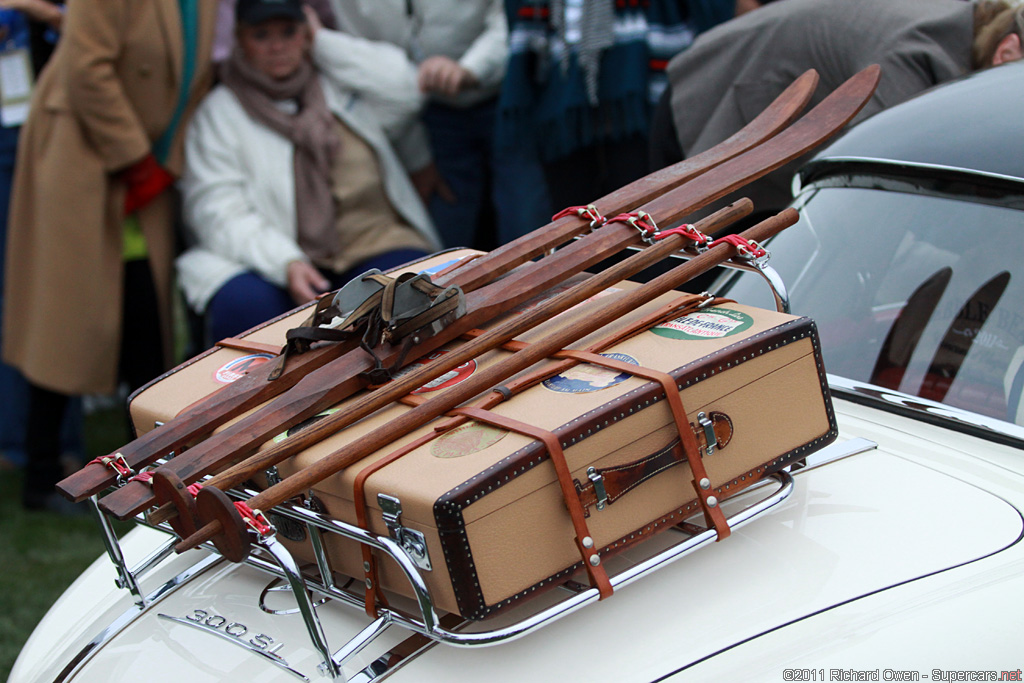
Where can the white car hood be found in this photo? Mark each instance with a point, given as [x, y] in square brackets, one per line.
[853, 528]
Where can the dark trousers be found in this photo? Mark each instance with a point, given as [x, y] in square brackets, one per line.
[141, 360]
[509, 183]
[247, 299]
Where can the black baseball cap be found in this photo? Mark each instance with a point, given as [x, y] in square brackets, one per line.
[257, 11]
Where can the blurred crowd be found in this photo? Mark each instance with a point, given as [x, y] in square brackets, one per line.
[241, 157]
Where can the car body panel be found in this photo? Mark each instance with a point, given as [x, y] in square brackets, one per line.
[973, 124]
[907, 513]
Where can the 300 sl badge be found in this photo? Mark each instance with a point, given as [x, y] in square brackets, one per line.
[235, 632]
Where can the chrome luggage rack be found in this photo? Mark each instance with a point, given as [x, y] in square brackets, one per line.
[270, 556]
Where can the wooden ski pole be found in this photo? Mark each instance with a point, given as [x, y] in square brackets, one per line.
[479, 345]
[222, 520]
[252, 390]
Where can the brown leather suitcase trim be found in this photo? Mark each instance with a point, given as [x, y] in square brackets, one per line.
[448, 509]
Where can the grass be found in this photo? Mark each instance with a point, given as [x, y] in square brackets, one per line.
[41, 553]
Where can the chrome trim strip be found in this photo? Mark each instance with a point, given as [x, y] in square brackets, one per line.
[828, 162]
[836, 451]
[939, 414]
[274, 658]
[130, 615]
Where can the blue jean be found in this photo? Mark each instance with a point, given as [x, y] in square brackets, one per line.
[247, 299]
[466, 156]
[13, 387]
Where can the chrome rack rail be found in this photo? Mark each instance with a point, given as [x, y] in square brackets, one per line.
[771, 277]
[271, 557]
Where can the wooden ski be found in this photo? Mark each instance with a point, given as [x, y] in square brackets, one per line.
[252, 390]
[342, 377]
[359, 408]
[224, 525]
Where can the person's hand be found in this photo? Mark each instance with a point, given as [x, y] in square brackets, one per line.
[744, 6]
[305, 282]
[312, 19]
[428, 182]
[144, 181]
[445, 76]
[39, 10]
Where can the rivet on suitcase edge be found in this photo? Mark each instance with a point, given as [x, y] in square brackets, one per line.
[366, 566]
[712, 501]
[587, 542]
[595, 560]
[705, 483]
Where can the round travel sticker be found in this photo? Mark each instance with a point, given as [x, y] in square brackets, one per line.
[585, 378]
[713, 323]
[466, 440]
[448, 379]
[234, 370]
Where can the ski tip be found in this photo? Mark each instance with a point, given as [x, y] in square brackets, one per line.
[808, 80]
[868, 77]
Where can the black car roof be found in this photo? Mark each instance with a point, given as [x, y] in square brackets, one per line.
[975, 123]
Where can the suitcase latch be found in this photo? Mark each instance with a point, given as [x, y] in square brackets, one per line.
[709, 432]
[413, 542]
[599, 491]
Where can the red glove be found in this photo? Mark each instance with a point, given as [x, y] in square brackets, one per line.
[144, 180]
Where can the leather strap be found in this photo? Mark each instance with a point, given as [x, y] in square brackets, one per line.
[374, 594]
[605, 485]
[709, 502]
[681, 306]
[585, 542]
[240, 344]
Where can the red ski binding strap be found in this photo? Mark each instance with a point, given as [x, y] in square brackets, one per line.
[115, 462]
[254, 518]
[751, 251]
[588, 211]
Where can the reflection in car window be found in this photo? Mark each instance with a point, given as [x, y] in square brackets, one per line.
[916, 293]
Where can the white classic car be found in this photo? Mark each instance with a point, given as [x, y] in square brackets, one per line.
[893, 554]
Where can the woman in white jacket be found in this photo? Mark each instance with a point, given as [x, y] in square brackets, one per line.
[296, 178]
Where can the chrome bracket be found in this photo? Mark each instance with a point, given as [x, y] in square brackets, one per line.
[412, 542]
[598, 480]
[273, 476]
[709, 433]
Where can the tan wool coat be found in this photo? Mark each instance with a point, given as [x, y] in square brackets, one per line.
[107, 94]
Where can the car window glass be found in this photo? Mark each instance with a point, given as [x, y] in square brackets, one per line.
[916, 293]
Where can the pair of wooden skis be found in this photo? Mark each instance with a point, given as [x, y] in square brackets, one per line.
[327, 375]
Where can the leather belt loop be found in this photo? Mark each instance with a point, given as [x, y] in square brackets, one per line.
[712, 511]
[585, 542]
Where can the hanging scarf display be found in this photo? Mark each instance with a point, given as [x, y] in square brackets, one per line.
[313, 131]
[582, 71]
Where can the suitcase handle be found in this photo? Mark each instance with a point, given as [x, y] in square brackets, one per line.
[607, 484]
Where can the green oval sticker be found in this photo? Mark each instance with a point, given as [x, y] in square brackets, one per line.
[713, 323]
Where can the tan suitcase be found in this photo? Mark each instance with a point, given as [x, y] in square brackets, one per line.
[481, 508]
